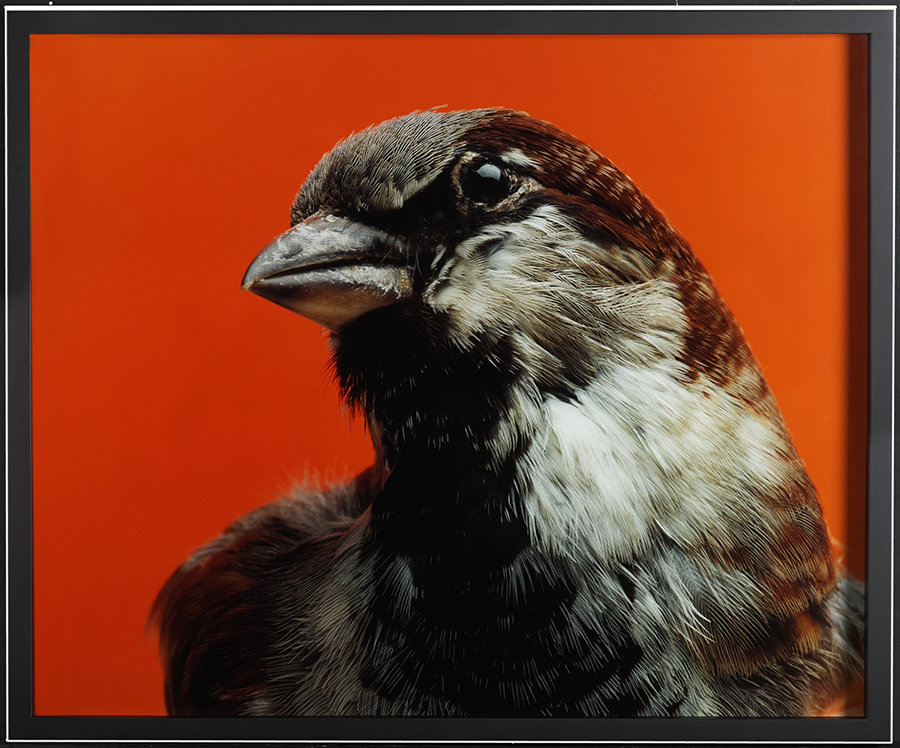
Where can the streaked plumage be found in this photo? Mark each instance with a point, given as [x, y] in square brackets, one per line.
[585, 500]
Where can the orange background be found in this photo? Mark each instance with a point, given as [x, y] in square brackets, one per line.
[167, 403]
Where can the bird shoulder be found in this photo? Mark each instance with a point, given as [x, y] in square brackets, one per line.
[218, 614]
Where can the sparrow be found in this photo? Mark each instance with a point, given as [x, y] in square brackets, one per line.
[584, 500]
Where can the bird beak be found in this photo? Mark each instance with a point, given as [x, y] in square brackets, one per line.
[332, 270]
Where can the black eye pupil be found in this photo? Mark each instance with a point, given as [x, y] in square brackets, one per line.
[484, 182]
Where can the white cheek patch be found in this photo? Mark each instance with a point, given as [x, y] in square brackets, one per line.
[540, 273]
[478, 288]
[504, 275]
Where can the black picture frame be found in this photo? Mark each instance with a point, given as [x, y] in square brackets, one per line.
[877, 22]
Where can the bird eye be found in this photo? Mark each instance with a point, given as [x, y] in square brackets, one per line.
[484, 182]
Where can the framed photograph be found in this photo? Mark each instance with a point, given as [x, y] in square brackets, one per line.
[153, 152]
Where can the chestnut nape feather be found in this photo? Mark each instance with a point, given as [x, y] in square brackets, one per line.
[584, 501]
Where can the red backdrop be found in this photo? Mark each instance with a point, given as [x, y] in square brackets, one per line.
[167, 403]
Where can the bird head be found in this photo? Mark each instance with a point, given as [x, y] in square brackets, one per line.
[501, 238]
